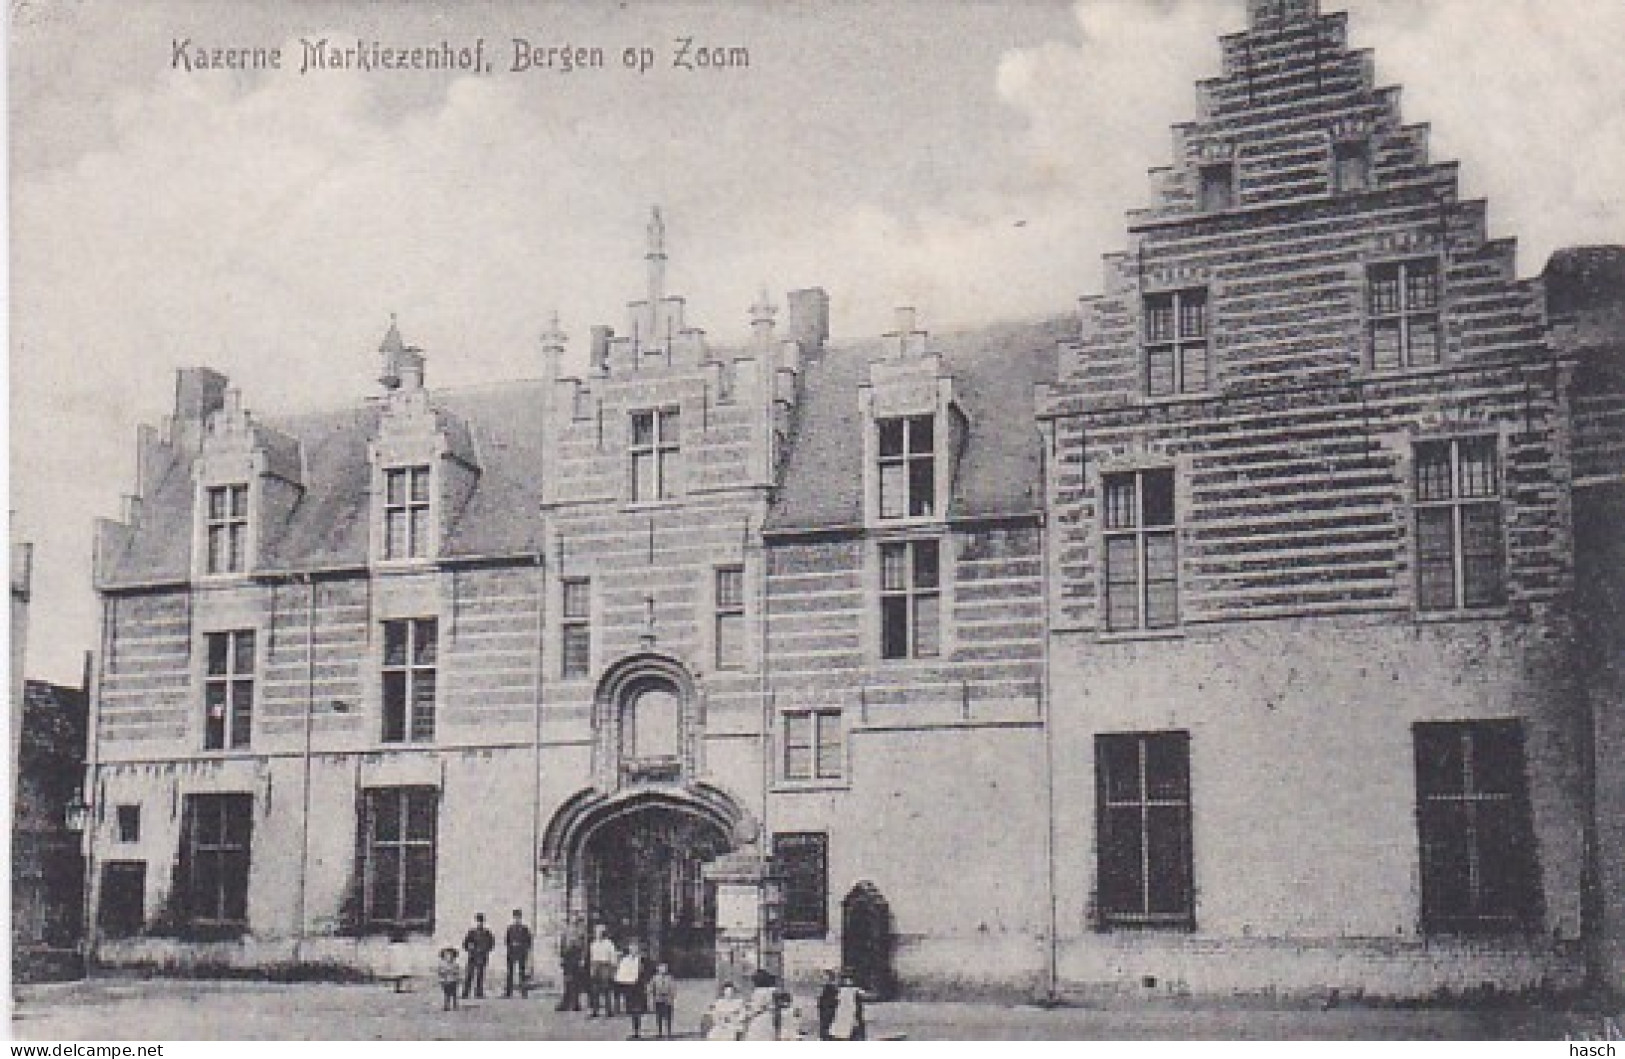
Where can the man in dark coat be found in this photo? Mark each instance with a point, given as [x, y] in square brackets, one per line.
[478, 943]
[517, 942]
[572, 971]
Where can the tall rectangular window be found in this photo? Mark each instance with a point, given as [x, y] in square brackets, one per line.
[1404, 314]
[575, 647]
[410, 649]
[1142, 562]
[406, 512]
[397, 853]
[1143, 799]
[1460, 562]
[730, 617]
[215, 835]
[1218, 187]
[655, 450]
[908, 462]
[1351, 165]
[1176, 343]
[812, 745]
[226, 529]
[1479, 869]
[910, 600]
[802, 861]
[228, 689]
[129, 823]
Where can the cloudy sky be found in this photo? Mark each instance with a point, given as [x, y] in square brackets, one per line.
[972, 159]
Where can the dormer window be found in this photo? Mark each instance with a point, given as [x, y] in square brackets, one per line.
[406, 512]
[908, 486]
[1217, 187]
[655, 449]
[227, 530]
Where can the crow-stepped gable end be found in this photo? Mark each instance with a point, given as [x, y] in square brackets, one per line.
[1251, 629]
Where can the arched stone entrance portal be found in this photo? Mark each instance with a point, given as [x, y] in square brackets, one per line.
[635, 861]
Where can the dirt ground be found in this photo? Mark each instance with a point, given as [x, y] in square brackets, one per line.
[134, 1009]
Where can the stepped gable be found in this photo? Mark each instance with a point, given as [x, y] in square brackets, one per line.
[995, 371]
[1260, 206]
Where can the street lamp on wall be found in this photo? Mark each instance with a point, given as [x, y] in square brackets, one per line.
[76, 814]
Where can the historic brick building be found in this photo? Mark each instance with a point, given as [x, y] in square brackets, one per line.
[1228, 642]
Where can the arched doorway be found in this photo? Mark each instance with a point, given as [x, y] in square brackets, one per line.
[643, 877]
[635, 861]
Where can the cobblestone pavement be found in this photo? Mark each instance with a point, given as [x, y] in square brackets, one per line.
[141, 1009]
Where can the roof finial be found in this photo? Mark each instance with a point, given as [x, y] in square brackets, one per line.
[657, 233]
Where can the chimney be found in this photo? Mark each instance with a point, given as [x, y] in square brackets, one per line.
[553, 342]
[808, 322]
[598, 351]
[199, 393]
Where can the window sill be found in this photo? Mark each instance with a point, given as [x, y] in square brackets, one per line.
[1500, 612]
[922, 662]
[663, 504]
[246, 750]
[232, 577]
[417, 562]
[1177, 398]
[905, 522]
[784, 786]
[1131, 635]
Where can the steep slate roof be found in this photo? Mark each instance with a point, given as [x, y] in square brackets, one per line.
[329, 525]
[995, 370]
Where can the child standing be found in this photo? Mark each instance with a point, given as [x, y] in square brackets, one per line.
[662, 992]
[449, 975]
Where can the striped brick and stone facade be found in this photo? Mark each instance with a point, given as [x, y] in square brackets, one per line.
[1248, 631]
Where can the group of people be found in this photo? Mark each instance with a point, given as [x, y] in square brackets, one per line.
[478, 944]
[617, 983]
[770, 1012]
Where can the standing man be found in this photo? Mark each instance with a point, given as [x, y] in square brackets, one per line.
[572, 970]
[478, 943]
[601, 959]
[517, 943]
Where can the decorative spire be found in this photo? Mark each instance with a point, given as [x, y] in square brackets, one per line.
[392, 348]
[761, 316]
[657, 233]
[656, 257]
[554, 338]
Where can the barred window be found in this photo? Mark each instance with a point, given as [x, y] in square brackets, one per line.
[1404, 315]
[226, 529]
[1143, 802]
[1141, 555]
[397, 857]
[1176, 343]
[1460, 561]
[812, 745]
[575, 647]
[730, 617]
[410, 649]
[1479, 871]
[406, 512]
[910, 599]
[228, 690]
